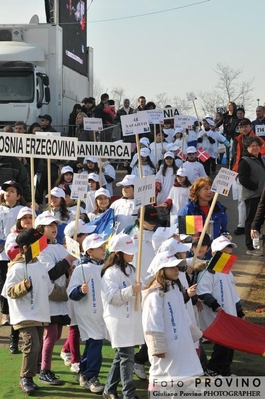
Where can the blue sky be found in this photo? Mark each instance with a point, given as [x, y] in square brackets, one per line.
[174, 52]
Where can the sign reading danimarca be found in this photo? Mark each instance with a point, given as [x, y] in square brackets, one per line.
[56, 147]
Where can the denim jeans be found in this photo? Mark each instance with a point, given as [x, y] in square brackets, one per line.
[92, 358]
[122, 370]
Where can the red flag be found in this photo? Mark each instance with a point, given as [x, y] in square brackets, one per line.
[235, 333]
[202, 154]
[181, 155]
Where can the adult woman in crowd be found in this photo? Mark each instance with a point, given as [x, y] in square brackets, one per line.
[80, 132]
[229, 121]
[199, 204]
[251, 174]
[72, 119]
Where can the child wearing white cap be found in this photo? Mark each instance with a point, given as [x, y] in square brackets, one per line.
[70, 352]
[148, 168]
[66, 176]
[84, 291]
[165, 177]
[11, 202]
[101, 205]
[194, 168]
[58, 264]
[122, 321]
[179, 194]
[217, 290]
[60, 211]
[167, 324]
[157, 149]
[125, 213]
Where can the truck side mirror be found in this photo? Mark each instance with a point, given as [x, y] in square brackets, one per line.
[45, 79]
[47, 94]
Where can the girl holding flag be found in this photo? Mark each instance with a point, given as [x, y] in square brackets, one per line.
[167, 324]
[27, 289]
[217, 290]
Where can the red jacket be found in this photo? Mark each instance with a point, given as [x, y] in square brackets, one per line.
[240, 147]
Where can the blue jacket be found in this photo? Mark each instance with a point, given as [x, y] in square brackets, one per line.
[219, 216]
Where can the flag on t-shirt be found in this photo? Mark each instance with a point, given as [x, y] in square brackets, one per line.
[36, 248]
[190, 224]
[222, 262]
[202, 154]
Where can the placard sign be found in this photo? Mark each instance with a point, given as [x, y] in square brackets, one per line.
[260, 130]
[115, 150]
[221, 108]
[191, 96]
[183, 121]
[144, 191]
[93, 124]
[135, 124]
[79, 186]
[38, 146]
[72, 247]
[155, 116]
[169, 113]
[223, 181]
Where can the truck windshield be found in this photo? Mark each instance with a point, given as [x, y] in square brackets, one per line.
[16, 86]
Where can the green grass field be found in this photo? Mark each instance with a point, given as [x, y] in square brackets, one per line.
[244, 364]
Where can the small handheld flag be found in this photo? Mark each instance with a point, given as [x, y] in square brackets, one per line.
[222, 262]
[202, 154]
[36, 248]
[190, 224]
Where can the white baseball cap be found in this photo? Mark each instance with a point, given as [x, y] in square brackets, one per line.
[57, 192]
[91, 159]
[144, 152]
[164, 259]
[209, 121]
[173, 246]
[93, 176]
[122, 243]
[182, 172]
[145, 141]
[102, 191]
[93, 241]
[172, 147]
[178, 130]
[45, 218]
[82, 228]
[128, 180]
[24, 211]
[220, 243]
[191, 150]
[67, 169]
[169, 154]
[161, 234]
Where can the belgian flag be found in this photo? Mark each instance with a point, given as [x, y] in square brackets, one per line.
[36, 248]
[222, 262]
[190, 224]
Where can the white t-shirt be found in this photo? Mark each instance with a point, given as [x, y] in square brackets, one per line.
[123, 322]
[166, 313]
[125, 213]
[167, 182]
[194, 170]
[88, 312]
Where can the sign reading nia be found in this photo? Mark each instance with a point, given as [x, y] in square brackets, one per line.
[59, 147]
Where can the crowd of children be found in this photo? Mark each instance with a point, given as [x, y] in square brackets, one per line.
[95, 295]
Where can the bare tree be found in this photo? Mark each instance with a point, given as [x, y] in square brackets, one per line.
[98, 89]
[162, 100]
[184, 106]
[229, 87]
[118, 95]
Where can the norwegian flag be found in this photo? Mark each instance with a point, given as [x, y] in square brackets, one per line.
[181, 155]
[202, 155]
